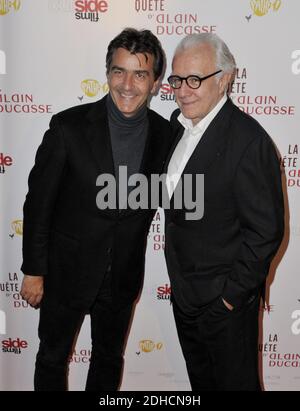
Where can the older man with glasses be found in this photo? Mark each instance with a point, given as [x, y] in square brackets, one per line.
[218, 264]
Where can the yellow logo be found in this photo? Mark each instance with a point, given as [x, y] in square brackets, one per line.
[149, 345]
[17, 226]
[6, 5]
[92, 87]
[262, 7]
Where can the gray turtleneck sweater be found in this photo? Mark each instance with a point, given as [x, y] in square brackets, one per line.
[128, 137]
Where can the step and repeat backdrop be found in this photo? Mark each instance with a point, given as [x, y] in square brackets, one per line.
[52, 56]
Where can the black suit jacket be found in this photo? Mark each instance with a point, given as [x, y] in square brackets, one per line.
[66, 237]
[227, 252]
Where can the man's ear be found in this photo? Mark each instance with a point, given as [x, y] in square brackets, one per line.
[224, 83]
[155, 87]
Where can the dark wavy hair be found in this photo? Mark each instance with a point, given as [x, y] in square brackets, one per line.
[138, 41]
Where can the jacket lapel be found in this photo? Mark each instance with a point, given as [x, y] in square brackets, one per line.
[152, 161]
[210, 146]
[212, 143]
[177, 131]
[98, 138]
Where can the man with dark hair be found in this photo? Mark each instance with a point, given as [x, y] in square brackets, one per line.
[78, 258]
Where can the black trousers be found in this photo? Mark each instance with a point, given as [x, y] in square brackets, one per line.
[220, 346]
[57, 329]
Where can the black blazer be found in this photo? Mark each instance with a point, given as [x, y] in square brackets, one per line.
[227, 252]
[66, 237]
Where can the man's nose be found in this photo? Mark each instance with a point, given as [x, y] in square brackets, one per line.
[128, 80]
[184, 90]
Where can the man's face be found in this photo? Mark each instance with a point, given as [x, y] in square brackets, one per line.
[131, 80]
[195, 104]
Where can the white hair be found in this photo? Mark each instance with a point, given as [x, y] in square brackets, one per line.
[224, 59]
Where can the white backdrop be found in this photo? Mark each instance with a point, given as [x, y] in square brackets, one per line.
[52, 56]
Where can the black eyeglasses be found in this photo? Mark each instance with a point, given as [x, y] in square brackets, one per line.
[192, 81]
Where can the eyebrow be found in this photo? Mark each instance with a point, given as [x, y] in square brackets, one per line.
[135, 71]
